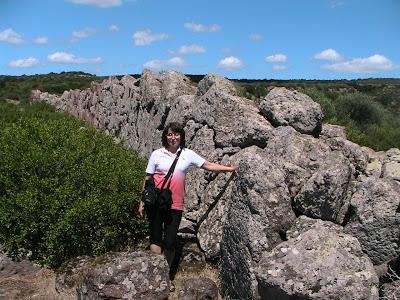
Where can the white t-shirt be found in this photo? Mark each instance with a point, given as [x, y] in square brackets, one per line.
[159, 163]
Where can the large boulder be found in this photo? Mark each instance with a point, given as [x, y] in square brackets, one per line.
[216, 82]
[320, 263]
[212, 210]
[374, 218]
[126, 275]
[235, 120]
[283, 107]
[324, 195]
[298, 155]
[258, 216]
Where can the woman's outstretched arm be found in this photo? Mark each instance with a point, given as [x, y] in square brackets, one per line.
[210, 166]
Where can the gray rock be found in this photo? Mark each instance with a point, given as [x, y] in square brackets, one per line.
[393, 153]
[303, 224]
[354, 153]
[258, 214]
[213, 214]
[216, 82]
[298, 155]
[200, 288]
[235, 120]
[324, 195]
[71, 274]
[375, 161]
[283, 107]
[164, 86]
[126, 275]
[330, 131]
[318, 264]
[391, 164]
[188, 227]
[374, 218]
[20, 265]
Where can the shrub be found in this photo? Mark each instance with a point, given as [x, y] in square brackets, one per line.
[65, 188]
[359, 108]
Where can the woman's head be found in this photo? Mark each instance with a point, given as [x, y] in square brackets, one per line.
[173, 135]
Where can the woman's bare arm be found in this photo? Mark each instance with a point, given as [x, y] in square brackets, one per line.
[210, 166]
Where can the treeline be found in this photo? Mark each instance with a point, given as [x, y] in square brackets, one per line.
[66, 189]
[19, 87]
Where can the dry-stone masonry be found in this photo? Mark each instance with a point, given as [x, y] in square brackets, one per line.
[305, 216]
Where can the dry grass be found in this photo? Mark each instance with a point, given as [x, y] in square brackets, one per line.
[208, 271]
[37, 286]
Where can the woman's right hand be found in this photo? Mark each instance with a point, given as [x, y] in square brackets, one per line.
[141, 209]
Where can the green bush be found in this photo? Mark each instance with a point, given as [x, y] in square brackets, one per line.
[378, 137]
[359, 108]
[65, 188]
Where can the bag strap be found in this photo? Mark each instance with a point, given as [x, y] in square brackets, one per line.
[171, 170]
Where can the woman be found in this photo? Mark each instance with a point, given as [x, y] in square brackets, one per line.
[164, 226]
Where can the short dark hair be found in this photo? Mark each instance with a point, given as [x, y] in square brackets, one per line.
[176, 128]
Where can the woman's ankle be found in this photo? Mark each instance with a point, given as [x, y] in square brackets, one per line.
[155, 249]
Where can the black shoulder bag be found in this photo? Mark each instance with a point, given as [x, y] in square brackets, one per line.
[153, 197]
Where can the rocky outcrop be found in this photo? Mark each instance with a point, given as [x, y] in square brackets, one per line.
[284, 171]
[283, 107]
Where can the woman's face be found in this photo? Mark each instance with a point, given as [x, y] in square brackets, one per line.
[173, 138]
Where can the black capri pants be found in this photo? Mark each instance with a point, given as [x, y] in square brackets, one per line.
[164, 226]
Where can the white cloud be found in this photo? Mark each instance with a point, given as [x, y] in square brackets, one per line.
[373, 64]
[188, 49]
[280, 58]
[337, 3]
[10, 36]
[67, 58]
[146, 37]
[279, 67]
[328, 54]
[24, 63]
[88, 31]
[165, 64]
[256, 37]
[98, 3]
[230, 63]
[113, 28]
[41, 40]
[202, 28]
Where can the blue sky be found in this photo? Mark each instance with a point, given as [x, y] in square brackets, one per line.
[285, 39]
